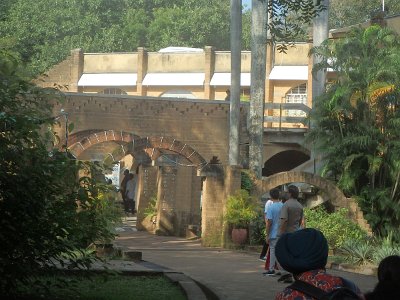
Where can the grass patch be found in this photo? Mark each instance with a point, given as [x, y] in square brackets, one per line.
[106, 287]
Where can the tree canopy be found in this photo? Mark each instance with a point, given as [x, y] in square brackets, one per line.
[344, 13]
[47, 212]
[44, 31]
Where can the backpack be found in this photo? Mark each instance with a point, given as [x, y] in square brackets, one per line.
[347, 292]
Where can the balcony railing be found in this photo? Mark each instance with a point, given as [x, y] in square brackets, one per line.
[286, 115]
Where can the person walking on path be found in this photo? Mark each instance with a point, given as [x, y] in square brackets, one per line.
[291, 220]
[131, 193]
[272, 226]
[264, 251]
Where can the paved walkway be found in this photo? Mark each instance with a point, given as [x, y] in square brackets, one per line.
[229, 274]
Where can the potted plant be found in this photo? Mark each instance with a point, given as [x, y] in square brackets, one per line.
[241, 209]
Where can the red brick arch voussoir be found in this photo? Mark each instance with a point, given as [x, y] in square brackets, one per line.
[132, 144]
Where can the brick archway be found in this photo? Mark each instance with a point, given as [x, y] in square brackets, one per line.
[133, 144]
[329, 190]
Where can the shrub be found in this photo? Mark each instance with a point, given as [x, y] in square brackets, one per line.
[151, 209]
[257, 229]
[246, 183]
[337, 227]
[357, 251]
[39, 187]
[241, 209]
[385, 247]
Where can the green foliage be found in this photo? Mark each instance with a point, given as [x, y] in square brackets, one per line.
[368, 251]
[358, 251]
[356, 122]
[46, 34]
[344, 13]
[257, 229]
[151, 209]
[337, 227]
[386, 247]
[241, 209]
[288, 20]
[107, 286]
[39, 187]
[246, 183]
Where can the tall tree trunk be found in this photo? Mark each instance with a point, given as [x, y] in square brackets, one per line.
[236, 45]
[259, 18]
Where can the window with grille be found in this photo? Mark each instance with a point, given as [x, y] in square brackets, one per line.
[113, 91]
[297, 94]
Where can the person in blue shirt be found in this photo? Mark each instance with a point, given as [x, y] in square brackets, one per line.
[273, 218]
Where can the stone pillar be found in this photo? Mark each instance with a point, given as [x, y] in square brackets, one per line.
[166, 206]
[187, 199]
[146, 189]
[76, 69]
[141, 71]
[219, 184]
[209, 72]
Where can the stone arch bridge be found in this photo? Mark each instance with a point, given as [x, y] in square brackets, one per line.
[193, 134]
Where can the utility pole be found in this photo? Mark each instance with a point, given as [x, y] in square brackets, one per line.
[236, 46]
[259, 19]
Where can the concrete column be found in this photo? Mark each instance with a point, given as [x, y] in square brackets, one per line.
[141, 71]
[269, 84]
[209, 72]
[320, 33]
[236, 45]
[258, 68]
[146, 189]
[76, 69]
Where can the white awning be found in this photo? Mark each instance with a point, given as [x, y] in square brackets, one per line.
[224, 79]
[174, 79]
[108, 79]
[289, 73]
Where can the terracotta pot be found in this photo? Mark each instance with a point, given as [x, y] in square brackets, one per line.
[239, 236]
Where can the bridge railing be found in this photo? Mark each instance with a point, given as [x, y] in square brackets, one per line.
[286, 115]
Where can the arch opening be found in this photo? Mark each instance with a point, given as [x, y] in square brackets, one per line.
[284, 161]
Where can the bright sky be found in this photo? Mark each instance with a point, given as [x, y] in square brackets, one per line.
[246, 3]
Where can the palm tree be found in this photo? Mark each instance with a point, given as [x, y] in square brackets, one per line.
[357, 120]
